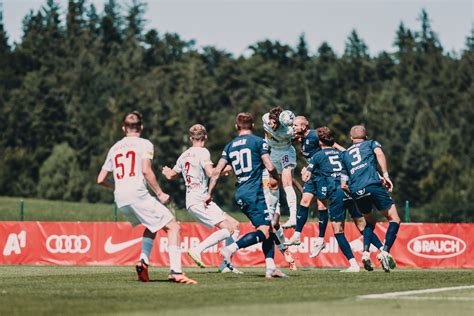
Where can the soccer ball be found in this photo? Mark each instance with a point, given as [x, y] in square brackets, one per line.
[286, 118]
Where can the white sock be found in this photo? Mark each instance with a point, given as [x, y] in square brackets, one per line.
[280, 236]
[271, 198]
[213, 239]
[291, 200]
[175, 258]
[296, 235]
[232, 248]
[320, 240]
[270, 264]
[353, 262]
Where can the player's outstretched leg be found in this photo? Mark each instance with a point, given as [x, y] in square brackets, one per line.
[345, 247]
[301, 218]
[174, 251]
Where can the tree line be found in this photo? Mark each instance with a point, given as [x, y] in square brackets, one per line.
[66, 84]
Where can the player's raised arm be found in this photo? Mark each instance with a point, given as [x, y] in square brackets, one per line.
[382, 161]
[152, 182]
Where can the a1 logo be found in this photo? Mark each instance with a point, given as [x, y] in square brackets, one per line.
[14, 243]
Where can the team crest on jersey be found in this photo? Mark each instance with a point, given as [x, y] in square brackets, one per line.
[361, 192]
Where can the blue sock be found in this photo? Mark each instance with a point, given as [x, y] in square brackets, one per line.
[250, 239]
[376, 240]
[323, 222]
[344, 245]
[268, 247]
[301, 217]
[391, 235]
[147, 245]
[367, 233]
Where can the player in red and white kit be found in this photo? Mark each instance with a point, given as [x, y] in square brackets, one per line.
[195, 165]
[130, 162]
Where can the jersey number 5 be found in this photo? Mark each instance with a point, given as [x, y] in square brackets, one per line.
[119, 165]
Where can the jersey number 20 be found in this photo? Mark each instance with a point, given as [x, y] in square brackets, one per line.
[241, 160]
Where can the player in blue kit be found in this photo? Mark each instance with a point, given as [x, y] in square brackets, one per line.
[359, 163]
[249, 156]
[309, 146]
[325, 167]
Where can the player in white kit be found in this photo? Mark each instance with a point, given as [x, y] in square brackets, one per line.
[130, 162]
[279, 135]
[195, 165]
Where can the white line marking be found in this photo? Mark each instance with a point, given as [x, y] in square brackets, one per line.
[397, 294]
[437, 298]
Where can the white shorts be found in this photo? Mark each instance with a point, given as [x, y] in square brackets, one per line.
[210, 216]
[149, 212]
[283, 158]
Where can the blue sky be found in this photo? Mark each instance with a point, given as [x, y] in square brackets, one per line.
[234, 25]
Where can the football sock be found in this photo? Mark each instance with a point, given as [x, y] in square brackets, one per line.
[368, 233]
[291, 200]
[391, 235]
[272, 197]
[344, 245]
[353, 262]
[323, 222]
[233, 238]
[268, 247]
[374, 239]
[175, 258]
[301, 218]
[270, 264]
[147, 245]
[213, 239]
[280, 238]
[250, 239]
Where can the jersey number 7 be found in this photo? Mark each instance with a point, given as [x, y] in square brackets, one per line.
[130, 155]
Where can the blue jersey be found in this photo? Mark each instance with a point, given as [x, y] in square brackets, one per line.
[360, 165]
[325, 165]
[244, 153]
[310, 144]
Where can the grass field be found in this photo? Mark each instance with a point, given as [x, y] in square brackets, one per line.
[113, 290]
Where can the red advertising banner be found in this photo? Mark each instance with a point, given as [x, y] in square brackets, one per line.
[99, 243]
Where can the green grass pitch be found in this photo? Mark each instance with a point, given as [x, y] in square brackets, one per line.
[64, 290]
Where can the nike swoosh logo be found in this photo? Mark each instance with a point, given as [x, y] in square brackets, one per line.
[110, 247]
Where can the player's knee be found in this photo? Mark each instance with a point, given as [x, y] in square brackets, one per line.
[337, 227]
[305, 201]
[265, 230]
[360, 223]
[174, 227]
[392, 215]
[322, 205]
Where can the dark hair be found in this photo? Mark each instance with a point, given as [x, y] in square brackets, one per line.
[133, 121]
[274, 114]
[244, 120]
[325, 136]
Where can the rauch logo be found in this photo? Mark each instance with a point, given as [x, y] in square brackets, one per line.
[436, 246]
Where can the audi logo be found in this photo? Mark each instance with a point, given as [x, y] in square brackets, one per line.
[68, 244]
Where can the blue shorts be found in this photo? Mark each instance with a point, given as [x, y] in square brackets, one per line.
[351, 206]
[337, 212]
[254, 206]
[372, 196]
[310, 186]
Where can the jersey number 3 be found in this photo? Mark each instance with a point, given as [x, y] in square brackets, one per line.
[130, 155]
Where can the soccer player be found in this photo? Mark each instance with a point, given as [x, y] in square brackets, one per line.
[360, 165]
[248, 155]
[309, 141]
[196, 167]
[283, 155]
[326, 168]
[130, 162]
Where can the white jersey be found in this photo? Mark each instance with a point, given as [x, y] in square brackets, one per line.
[279, 139]
[125, 161]
[191, 165]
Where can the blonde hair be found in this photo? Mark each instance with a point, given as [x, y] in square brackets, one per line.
[197, 132]
[358, 132]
